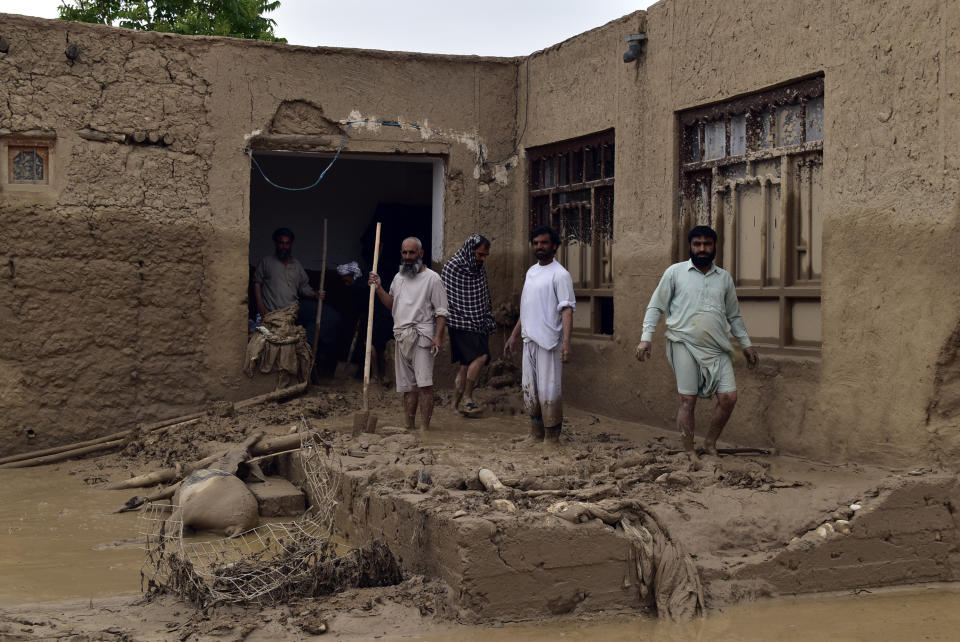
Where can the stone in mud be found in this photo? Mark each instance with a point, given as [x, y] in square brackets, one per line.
[386, 431]
[446, 476]
[215, 501]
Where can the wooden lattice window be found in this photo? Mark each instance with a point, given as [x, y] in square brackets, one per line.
[28, 163]
[752, 168]
[571, 189]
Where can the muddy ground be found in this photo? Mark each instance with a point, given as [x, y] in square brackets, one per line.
[730, 512]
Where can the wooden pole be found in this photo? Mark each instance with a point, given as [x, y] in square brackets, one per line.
[363, 421]
[323, 278]
[92, 442]
[373, 293]
[67, 454]
[60, 453]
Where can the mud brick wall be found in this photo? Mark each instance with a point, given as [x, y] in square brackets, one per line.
[124, 281]
[496, 566]
[910, 535]
[101, 304]
[884, 387]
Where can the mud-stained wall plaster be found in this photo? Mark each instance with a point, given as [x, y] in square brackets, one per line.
[138, 333]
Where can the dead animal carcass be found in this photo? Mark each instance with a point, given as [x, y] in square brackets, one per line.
[216, 501]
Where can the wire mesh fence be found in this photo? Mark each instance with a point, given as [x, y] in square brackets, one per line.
[265, 564]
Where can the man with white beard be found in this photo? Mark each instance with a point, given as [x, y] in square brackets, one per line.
[419, 306]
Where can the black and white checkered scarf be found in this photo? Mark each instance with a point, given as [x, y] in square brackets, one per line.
[468, 296]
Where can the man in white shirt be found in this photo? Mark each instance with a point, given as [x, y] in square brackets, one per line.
[419, 307]
[700, 303]
[546, 318]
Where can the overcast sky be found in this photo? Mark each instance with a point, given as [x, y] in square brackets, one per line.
[485, 27]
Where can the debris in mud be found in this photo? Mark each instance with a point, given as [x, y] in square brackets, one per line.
[269, 563]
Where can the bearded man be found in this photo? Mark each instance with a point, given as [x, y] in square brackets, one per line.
[280, 280]
[546, 320]
[471, 317]
[700, 303]
[419, 307]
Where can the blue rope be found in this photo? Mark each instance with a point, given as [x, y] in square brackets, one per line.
[385, 123]
[319, 178]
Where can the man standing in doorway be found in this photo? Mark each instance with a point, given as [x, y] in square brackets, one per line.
[280, 279]
[701, 307]
[471, 317]
[419, 307]
[546, 319]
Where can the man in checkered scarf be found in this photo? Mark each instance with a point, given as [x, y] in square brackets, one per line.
[471, 317]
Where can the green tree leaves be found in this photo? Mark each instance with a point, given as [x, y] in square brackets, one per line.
[230, 18]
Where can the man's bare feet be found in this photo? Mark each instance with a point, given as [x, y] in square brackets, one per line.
[458, 385]
[551, 438]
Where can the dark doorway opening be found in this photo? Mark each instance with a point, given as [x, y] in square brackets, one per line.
[355, 194]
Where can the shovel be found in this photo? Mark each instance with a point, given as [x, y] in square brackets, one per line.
[364, 421]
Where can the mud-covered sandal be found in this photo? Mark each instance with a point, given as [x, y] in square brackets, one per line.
[470, 409]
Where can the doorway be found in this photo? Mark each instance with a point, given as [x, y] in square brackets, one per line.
[404, 194]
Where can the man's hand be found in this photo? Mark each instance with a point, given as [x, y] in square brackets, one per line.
[565, 351]
[320, 295]
[752, 357]
[510, 346]
[374, 279]
[643, 350]
[436, 346]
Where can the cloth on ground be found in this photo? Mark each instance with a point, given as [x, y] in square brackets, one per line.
[279, 345]
[659, 564]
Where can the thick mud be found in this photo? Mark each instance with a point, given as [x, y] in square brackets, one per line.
[70, 566]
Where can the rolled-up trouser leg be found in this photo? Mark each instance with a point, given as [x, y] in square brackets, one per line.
[542, 370]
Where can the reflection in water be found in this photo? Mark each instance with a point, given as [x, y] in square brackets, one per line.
[57, 540]
[894, 615]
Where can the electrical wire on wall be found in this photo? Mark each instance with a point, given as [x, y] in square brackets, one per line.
[518, 136]
[349, 123]
[343, 141]
[517, 133]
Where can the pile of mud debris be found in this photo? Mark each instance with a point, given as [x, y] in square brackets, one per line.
[476, 550]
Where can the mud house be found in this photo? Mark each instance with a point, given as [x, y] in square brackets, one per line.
[820, 138]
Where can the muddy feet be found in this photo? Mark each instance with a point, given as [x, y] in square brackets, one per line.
[470, 408]
[551, 439]
[537, 431]
[458, 387]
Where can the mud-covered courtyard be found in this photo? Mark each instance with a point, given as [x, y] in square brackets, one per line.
[479, 562]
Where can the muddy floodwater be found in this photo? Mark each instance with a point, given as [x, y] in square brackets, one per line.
[893, 615]
[69, 565]
[57, 540]
[73, 548]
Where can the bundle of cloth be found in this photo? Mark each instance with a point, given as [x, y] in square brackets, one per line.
[279, 345]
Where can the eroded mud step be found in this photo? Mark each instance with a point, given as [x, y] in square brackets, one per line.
[277, 497]
[755, 526]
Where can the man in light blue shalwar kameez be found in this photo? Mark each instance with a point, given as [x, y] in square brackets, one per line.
[699, 300]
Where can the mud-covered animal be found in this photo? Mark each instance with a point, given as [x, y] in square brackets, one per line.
[216, 501]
